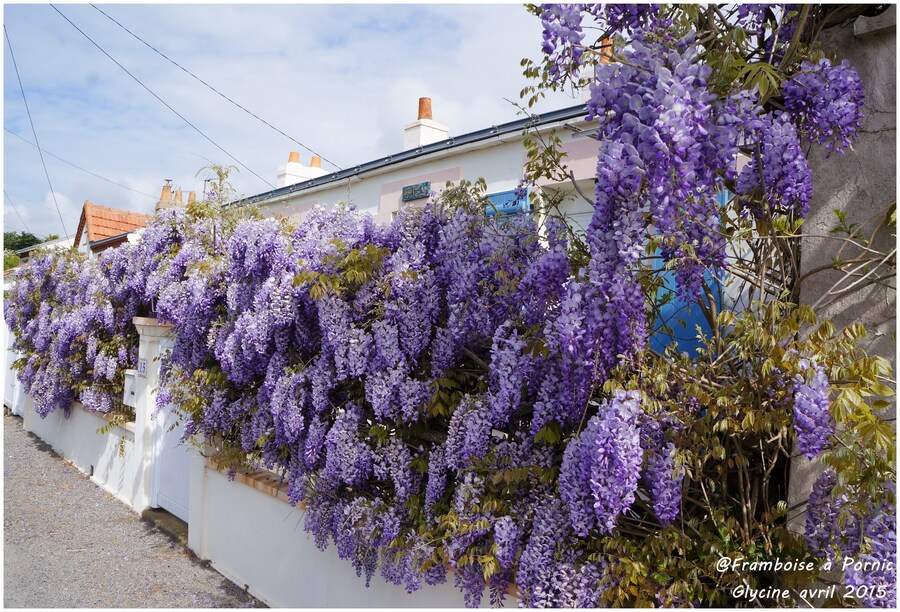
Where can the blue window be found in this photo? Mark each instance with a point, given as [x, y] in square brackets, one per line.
[505, 203]
[681, 316]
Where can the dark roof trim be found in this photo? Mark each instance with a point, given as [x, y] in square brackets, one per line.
[443, 145]
[107, 240]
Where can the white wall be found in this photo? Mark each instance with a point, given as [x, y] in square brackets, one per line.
[95, 454]
[258, 540]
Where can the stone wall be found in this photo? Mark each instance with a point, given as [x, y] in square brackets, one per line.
[862, 182]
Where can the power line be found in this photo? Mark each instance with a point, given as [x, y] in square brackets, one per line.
[32, 203]
[33, 131]
[9, 199]
[79, 167]
[182, 117]
[183, 69]
[12, 228]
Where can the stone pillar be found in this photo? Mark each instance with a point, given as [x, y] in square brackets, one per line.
[152, 334]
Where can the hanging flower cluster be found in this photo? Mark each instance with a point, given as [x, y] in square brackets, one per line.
[865, 546]
[600, 470]
[826, 101]
[665, 144]
[778, 175]
[72, 322]
[662, 476]
[812, 415]
[625, 18]
[562, 37]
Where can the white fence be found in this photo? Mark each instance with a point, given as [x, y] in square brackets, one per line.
[245, 527]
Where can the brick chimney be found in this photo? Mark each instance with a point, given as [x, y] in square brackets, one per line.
[294, 172]
[425, 130]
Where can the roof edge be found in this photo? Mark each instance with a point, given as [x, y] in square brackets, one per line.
[442, 145]
[39, 245]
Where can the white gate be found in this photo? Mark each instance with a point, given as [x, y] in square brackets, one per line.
[171, 461]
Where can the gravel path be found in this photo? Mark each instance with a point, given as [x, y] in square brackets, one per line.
[70, 544]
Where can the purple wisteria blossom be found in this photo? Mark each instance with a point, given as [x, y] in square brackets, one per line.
[537, 564]
[625, 18]
[664, 146]
[826, 534]
[392, 463]
[826, 102]
[874, 571]
[507, 535]
[510, 365]
[348, 458]
[563, 38]
[600, 469]
[661, 476]
[778, 174]
[812, 415]
[865, 546]
[469, 433]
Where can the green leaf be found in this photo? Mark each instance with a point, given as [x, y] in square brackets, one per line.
[549, 434]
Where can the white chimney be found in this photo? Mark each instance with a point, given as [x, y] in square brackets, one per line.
[424, 131]
[294, 172]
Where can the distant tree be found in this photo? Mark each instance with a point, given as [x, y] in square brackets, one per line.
[50, 237]
[10, 260]
[13, 241]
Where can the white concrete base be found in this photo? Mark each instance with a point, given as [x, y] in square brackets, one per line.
[94, 454]
[258, 540]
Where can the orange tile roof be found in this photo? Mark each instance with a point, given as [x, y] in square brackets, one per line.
[103, 222]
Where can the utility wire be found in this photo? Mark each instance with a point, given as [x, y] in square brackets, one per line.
[182, 117]
[183, 69]
[33, 131]
[11, 228]
[9, 199]
[23, 139]
[67, 215]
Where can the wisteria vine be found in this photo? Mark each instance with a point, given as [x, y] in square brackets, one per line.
[452, 390]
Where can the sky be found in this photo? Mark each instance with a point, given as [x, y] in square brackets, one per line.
[342, 79]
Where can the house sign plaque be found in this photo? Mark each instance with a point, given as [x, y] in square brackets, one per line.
[416, 192]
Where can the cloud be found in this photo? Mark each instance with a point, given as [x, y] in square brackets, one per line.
[343, 80]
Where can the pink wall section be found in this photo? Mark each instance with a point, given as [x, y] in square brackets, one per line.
[289, 209]
[391, 192]
[581, 158]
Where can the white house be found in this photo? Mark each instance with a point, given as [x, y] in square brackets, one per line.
[431, 158]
